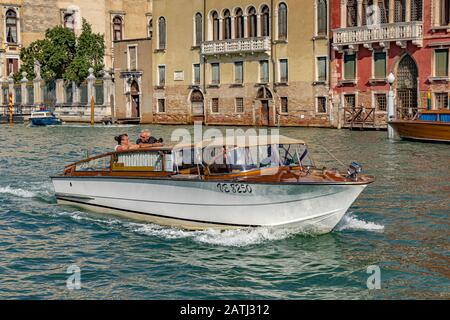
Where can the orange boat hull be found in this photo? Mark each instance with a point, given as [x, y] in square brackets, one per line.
[423, 130]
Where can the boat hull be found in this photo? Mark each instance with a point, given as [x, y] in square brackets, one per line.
[46, 121]
[197, 205]
[423, 130]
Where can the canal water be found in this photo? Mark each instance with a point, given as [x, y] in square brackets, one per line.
[399, 227]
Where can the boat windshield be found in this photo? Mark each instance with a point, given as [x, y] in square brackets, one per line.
[233, 160]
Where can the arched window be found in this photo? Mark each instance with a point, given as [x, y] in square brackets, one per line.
[69, 21]
[11, 26]
[399, 10]
[366, 18]
[216, 25]
[265, 21]
[117, 28]
[352, 13]
[416, 10]
[198, 29]
[239, 28]
[383, 5]
[162, 33]
[322, 17]
[252, 23]
[282, 21]
[226, 24]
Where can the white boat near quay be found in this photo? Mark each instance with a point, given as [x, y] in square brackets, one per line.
[229, 189]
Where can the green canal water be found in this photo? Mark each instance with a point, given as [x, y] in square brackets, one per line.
[400, 224]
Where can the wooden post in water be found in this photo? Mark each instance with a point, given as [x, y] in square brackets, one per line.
[10, 109]
[92, 111]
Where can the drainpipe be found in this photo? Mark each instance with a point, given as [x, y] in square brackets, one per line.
[272, 53]
[203, 63]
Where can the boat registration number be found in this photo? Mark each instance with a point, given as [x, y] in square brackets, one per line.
[235, 188]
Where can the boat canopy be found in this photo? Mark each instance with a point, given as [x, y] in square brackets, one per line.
[243, 141]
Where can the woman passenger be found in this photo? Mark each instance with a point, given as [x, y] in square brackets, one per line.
[124, 143]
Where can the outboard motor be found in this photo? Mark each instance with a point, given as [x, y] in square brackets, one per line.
[354, 170]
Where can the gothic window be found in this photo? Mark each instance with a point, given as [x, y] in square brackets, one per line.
[198, 29]
[117, 28]
[265, 21]
[11, 26]
[216, 24]
[322, 17]
[383, 6]
[239, 23]
[352, 13]
[162, 32]
[69, 21]
[226, 24]
[252, 23]
[416, 10]
[399, 10]
[282, 21]
[444, 18]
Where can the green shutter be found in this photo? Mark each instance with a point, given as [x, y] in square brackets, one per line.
[441, 63]
[349, 66]
[379, 65]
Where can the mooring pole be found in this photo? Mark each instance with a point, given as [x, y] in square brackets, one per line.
[391, 108]
[10, 109]
[92, 111]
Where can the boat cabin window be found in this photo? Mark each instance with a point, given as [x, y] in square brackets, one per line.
[234, 160]
[95, 165]
[142, 161]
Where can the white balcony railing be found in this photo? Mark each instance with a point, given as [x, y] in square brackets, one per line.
[403, 31]
[250, 45]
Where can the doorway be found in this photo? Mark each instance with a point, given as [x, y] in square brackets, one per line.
[265, 97]
[407, 98]
[198, 106]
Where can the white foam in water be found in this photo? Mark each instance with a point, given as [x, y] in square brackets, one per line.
[350, 222]
[21, 193]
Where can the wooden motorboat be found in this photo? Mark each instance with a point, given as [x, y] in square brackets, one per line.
[430, 125]
[221, 184]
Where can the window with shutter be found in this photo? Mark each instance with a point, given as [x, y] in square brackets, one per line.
[322, 69]
[198, 29]
[162, 75]
[284, 71]
[441, 63]
[239, 72]
[132, 57]
[322, 17]
[162, 33]
[215, 68]
[349, 66]
[379, 68]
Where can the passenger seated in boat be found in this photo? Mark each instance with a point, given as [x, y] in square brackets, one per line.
[124, 143]
[147, 141]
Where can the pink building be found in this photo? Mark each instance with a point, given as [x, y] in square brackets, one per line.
[371, 39]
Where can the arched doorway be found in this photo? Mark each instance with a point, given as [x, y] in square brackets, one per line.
[135, 100]
[264, 96]
[197, 105]
[407, 74]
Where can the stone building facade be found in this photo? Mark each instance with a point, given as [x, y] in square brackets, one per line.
[241, 62]
[24, 21]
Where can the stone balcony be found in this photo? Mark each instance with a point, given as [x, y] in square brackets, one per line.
[236, 46]
[383, 34]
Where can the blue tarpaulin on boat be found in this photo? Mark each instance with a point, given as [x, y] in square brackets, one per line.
[428, 117]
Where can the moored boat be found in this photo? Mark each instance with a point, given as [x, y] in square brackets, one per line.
[44, 118]
[430, 125]
[220, 184]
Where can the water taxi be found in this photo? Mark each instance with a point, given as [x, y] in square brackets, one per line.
[229, 183]
[430, 125]
[44, 118]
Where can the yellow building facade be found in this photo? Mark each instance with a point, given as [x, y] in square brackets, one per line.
[24, 21]
[239, 62]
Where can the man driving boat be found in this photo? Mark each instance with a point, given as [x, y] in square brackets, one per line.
[146, 140]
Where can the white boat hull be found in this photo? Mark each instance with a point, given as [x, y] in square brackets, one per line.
[198, 205]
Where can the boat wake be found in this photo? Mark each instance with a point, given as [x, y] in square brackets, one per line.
[40, 191]
[230, 238]
[350, 222]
